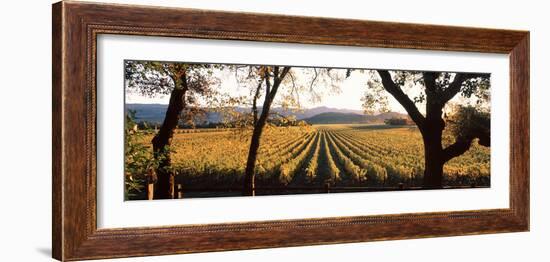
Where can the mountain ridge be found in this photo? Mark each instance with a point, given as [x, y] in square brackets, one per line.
[350, 118]
[154, 113]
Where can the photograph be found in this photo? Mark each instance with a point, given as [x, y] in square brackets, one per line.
[315, 131]
[195, 130]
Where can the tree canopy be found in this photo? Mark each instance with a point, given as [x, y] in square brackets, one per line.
[434, 91]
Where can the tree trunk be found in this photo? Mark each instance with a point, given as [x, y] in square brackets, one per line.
[271, 91]
[432, 125]
[254, 146]
[164, 188]
[248, 189]
[433, 161]
[251, 161]
[432, 132]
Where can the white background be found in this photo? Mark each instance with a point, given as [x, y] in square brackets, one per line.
[25, 136]
[114, 212]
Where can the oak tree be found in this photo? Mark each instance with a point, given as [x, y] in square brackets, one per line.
[267, 83]
[187, 85]
[434, 90]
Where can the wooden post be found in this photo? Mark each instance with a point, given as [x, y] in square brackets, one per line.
[180, 191]
[327, 187]
[150, 191]
[401, 186]
[172, 185]
[150, 180]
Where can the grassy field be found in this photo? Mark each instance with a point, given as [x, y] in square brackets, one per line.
[342, 155]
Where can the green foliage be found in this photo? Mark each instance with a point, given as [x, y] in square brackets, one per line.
[138, 158]
[478, 87]
[375, 99]
[311, 169]
[333, 170]
[289, 168]
[468, 122]
[475, 87]
[151, 79]
[395, 121]
[356, 173]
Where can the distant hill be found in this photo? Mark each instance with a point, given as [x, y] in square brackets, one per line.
[337, 118]
[154, 113]
[307, 113]
[350, 118]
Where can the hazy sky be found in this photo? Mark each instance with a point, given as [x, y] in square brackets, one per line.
[347, 95]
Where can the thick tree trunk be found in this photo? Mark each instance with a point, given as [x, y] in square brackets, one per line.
[432, 132]
[164, 188]
[433, 161]
[433, 124]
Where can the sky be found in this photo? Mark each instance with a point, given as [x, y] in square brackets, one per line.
[346, 95]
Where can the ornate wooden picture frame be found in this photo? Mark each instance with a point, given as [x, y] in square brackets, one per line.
[76, 26]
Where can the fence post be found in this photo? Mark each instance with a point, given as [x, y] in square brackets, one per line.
[150, 190]
[327, 187]
[180, 191]
[401, 186]
[172, 185]
[150, 181]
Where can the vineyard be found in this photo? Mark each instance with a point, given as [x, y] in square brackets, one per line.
[339, 155]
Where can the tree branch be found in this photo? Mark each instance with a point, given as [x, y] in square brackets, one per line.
[455, 86]
[429, 82]
[282, 75]
[294, 90]
[277, 81]
[276, 72]
[169, 74]
[402, 98]
[267, 85]
[184, 83]
[255, 99]
[314, 79]
[271, 91]
[293, 80]
[459, 147]
[463, 143]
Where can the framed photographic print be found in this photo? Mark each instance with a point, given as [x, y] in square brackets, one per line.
[193, 131]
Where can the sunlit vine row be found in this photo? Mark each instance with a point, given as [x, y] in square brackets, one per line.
[288, 169]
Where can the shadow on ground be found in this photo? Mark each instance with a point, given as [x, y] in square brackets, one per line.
[46, 251]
